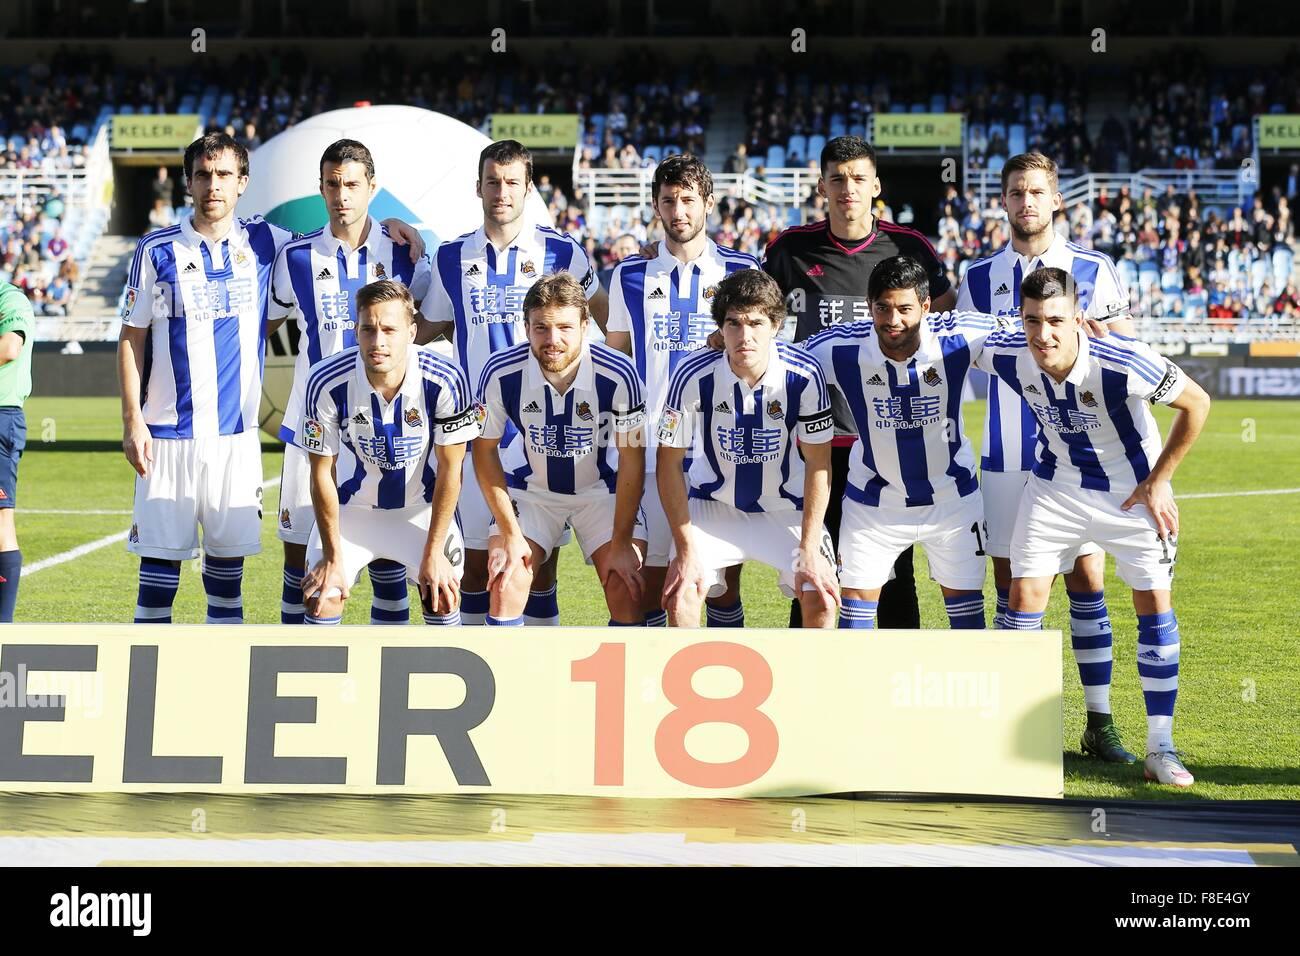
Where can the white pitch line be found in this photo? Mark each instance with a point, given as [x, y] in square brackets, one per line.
[82, 550]
[66, 511]
[1238, 494]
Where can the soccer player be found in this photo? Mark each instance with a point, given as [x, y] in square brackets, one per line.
[1102, 475]
[823, 268]
[198, 299]
[751, 496]
[569, 400]
[16, 323]
[992, 285]
[476, 298]
[315, 284]
[912, 477]
[386, 423]
[659, 312]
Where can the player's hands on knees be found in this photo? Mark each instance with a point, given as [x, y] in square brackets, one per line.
[812, 569]
[684, 574]
[507, 553]
[320, 581]
[137, 443]
[625, 561]
[437, 583]
[1158, 497]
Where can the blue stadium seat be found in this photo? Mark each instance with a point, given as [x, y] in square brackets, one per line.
[651, 153]
[997, 130]
[126, 109]
[918, 108]
[1056, 111]
[672, 149]
[797, 149]
[1128, 272]
[775, 157]
[857, 129]
[1240, 134]
[838, 127]
[1037, 103]
[815, 146]
[938, 103]
[996, 162]
[147, 109]
[79, 133]
[1277, 108]
[1016, 138]
[897, 107]
[754, 162]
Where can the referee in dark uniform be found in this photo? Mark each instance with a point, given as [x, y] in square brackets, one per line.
[823, 270]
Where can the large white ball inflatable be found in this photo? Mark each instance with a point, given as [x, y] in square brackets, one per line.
[426, 164]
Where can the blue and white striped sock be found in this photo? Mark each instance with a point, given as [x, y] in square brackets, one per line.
[542, 609]
[504, 621]
[657, 619]
[733, 616]
[308, 619]
[965, 611]
[159, 581]
[442, 620]
[1024, 621]
[223, 580]
[391, 600]
[474, 607]
[1000, 611]
[856, 615]
[1157, 656]
[291, 606]
[1090, 636]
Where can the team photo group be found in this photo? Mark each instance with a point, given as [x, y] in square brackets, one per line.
[459, 413]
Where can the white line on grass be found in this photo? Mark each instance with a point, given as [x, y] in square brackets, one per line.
[66, 511]
[1239, 494]
[83, 549]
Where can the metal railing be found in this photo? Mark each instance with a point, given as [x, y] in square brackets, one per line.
[1214, 187]
[631, 187]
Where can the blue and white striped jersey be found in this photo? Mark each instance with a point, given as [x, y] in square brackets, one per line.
[206, 305]
[567, 440]
[912, 449]
[480, 290]
[747, 456]
[385, 449]
[992, 285]
[1094, 429]
[666, 306]
[315, 281]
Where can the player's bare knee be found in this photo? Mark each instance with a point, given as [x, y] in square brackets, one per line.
[1088, 573]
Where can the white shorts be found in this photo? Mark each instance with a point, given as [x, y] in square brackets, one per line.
[1056, 518]
[659, 546]
[475, 515]
[725, 536]
[1002, 491]
[543, 516]
[871, 539]
[398, 535]
[214, 482]
[296, 519]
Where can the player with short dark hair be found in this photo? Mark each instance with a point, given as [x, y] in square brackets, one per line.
[823, 269]
[1102, 475]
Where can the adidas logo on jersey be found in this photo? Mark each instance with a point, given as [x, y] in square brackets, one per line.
[359, 418]
[532, 407]
[325, 274]
[190, 267]
[1002, 290]
[816, 271]
[472, 271]
[876, 380]
[1033, 389]
[722, 407]
[656, 294]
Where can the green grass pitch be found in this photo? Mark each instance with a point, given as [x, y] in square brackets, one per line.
[1236, 592]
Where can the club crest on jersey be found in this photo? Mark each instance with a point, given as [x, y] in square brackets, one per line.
[285, 520]
[379, 271]
[1087, 399]
[931, 377]
[710, 292]
[584, 411]
[134, 536]
[774, 408]
[528, 268]
[413, 418]
[313, 434]
[241, 258]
